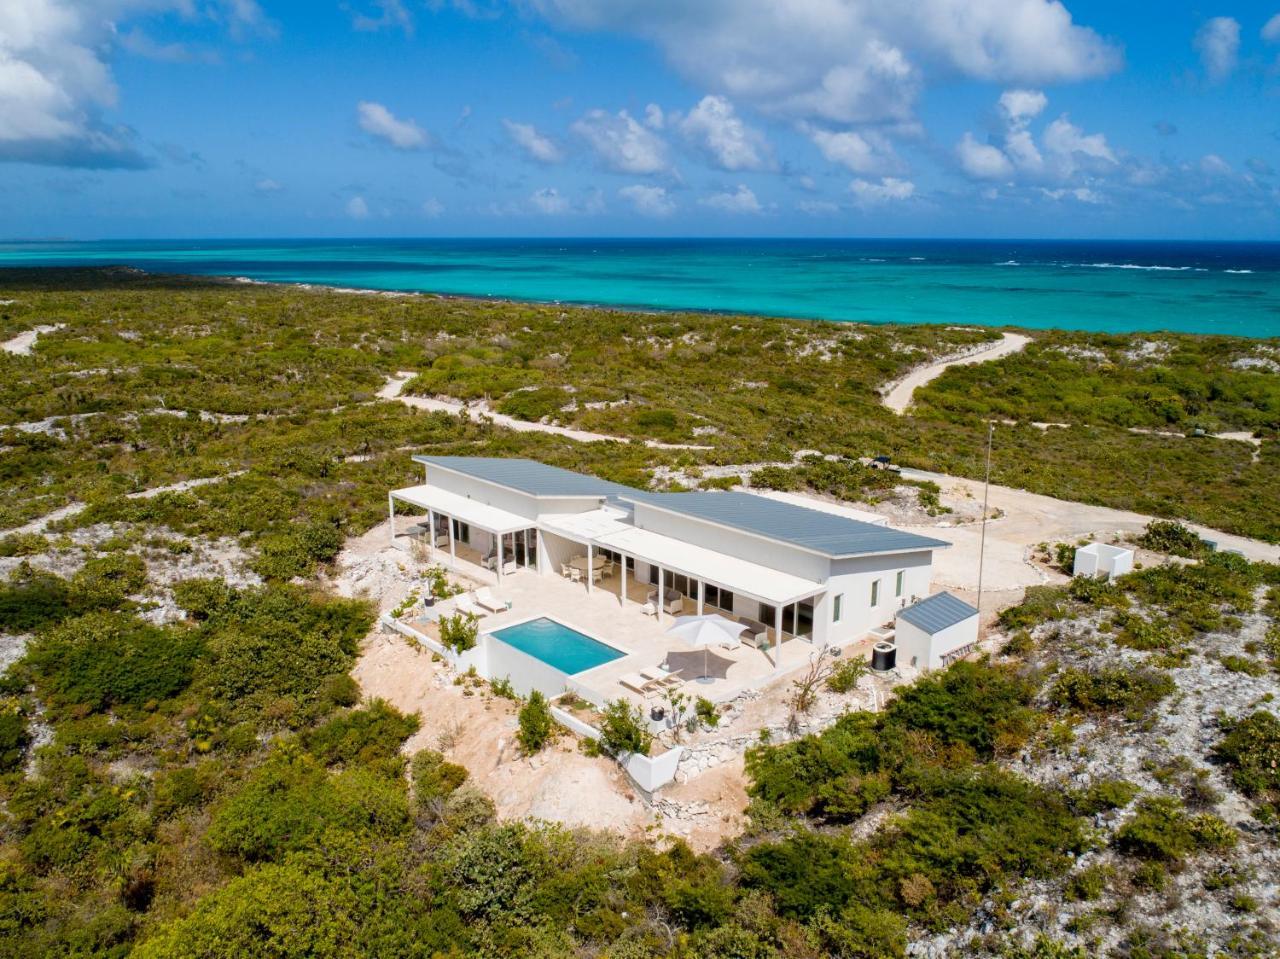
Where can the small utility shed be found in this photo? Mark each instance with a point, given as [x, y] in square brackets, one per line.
[1099, 559]
[935, 631]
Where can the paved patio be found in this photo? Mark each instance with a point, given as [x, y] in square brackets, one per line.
[601, 615]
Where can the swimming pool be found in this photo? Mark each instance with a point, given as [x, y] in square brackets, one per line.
[557, 645]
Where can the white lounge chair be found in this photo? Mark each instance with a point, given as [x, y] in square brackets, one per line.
[465, 604]
[485, 598]
[660, 677]
[638, 684]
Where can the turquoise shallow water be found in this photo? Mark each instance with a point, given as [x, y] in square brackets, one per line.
[1231, 288]
[557, 645]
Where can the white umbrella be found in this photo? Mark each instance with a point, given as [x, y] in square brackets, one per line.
[709, 630]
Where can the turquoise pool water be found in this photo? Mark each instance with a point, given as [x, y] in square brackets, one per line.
[557, 645]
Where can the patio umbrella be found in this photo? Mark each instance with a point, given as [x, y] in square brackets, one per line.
[710, 630]
[689, 665]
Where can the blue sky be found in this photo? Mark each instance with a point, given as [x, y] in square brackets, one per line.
[188, 118]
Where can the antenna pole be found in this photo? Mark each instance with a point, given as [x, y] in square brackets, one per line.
[982, 541]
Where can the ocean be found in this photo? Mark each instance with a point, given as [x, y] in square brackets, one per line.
[1106, 286]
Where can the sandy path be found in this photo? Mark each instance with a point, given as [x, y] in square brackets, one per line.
[480, 412]
[22, 344]
[1031, 518]
[899, 395]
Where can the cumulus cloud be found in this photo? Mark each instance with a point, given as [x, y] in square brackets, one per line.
[432, 208]
[859, 152]
[1062, 151]
[383, 15]
[621, 144]
[267, 186]
[849, 61]
[654, 118]
[743, 200]
[722, 135]
[357, 208]
[648, 200]
[380, 123]
[1271, 30]
[1218, 43]
[548, 201]
[982, 161]
[818, 207]
[866, 193]
[538, 147]
[1082, 194]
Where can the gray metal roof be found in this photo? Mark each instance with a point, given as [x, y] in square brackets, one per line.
[935, 613]
[527, 476]
[809, 529]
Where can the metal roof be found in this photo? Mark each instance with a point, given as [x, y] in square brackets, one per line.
[810, 529]
[935, 613]
[469, 511]
[527, 476]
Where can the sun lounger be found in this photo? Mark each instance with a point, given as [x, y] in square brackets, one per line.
[660, 677]
[465, 604]
[488, 601]
[638, 684]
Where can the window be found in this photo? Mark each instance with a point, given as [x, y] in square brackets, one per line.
[898, 584]
[875, 592]
[835, 608]
[719, 598]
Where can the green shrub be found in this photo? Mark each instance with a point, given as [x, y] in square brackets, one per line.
[1243, 664]
[777, 478]
[979, 704]
[105, 660]
[1167, 536]
[460, 631]
[23, 544]
[434, 778]
[1040, 604]
[31, 598]
[1089, 883]
[1115, 689]
[14, 737]
[845, 675]
[375, 732]
[1102, 795]
[534, 404]
[707, 712]
[1251, 750]
[1160, 829]
[106, 582]
[623, 730]
[536, 723]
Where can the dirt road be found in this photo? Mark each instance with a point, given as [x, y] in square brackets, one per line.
[899, 395]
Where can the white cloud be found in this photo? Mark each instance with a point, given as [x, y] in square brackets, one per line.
[1218, 43]
[549, 201]
[1068, 143]
[377, 121]
[357, 208]
[539, 147]
[849, 61]
[390, 13]
[720, 133]
[866, 193]
[267, 185]
[1271, 30]
[1083, 194]
[1022, 106]
[622, 144]
[982, 160]
[818, 207]
[743, 200]
[654, 118]
[648, 200]
[432, 208]
[866, 152]
[1214, 165]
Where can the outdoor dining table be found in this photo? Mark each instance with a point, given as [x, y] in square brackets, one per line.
[580, 563]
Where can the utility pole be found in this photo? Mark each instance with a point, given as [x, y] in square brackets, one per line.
[982, 540]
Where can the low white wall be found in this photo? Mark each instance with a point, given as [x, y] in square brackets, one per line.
[1100, 559]
[574, 724]
[651, 773]
[524, 671]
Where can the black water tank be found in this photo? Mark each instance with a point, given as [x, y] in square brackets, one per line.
[884, 656]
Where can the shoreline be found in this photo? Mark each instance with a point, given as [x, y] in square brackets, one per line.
[639, 309]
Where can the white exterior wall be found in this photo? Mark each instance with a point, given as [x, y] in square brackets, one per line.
[923, 651]
[852, 578]
[778, 556]
[1099, 559]
[498, 496]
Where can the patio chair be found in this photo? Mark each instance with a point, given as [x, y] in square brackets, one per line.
[638, 684]
[757, 634]
[465, 604]
[609, 567]
[661, 678]
[575, 574]
[597, 575]
[566, 570]
[673, 600]
[485, 598]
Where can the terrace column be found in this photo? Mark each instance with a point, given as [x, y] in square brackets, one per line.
[542, 551]
[453, 553]
[702, 595]
[590, 568]
[498, 566]
[391, 510]
[431, 534]
[777, 637]
[662, 592]
[622, 593]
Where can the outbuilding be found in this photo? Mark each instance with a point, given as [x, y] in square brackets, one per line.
[935, 632]
[1099, 559]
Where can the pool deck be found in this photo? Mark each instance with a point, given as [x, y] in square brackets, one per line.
[602, 616]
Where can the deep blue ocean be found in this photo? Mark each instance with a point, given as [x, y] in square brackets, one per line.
[1120, 287]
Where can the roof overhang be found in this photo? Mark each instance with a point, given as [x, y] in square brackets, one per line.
[461, 508]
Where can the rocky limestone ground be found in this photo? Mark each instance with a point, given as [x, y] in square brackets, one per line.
[1220, 904]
